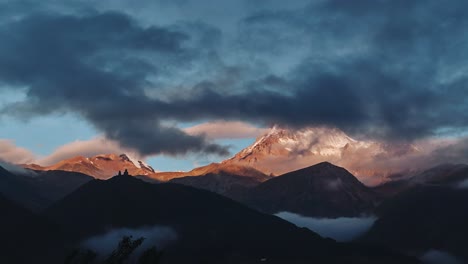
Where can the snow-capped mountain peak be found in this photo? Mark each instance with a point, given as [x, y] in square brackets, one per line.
[101, 166]
[282, 150]
[130, 159]
[317, 141]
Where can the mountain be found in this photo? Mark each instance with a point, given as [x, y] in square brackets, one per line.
[216, 168]
[226, 179]
[450, 175]
[424, 218]
[209, 227]
[282, 150]
[230, 169]
[37, 190]
[322, 190]
[444, 174]
[229, 185]
[100, 166]
[105, 166]
[277, 152]
[25, 236]
[54, 185]
[16, 188]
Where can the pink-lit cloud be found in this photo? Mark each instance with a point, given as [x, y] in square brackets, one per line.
[226, 130]
[11, 153]
[87, 148]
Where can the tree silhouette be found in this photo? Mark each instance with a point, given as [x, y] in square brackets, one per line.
[124, 250]
[119, 256]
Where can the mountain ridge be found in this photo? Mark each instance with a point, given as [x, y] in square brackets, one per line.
[283, 149]
[102, 166]
[321, 190]
[276, 152]
[210, 228]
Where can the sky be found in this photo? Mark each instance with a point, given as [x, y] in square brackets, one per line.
[182, 83]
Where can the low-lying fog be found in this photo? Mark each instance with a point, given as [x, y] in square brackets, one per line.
[341, 229]
[439, 257]
[463, 184]
[104, 244]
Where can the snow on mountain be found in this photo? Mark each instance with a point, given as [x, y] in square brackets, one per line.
[282, 150]
[144, 165]
[279, 151]
[101, 166]
[317, 141]
[133, 160]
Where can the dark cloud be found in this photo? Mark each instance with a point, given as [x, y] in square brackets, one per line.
[389, 69]
[337, 102]
[451, 152]
[94, 65]
[397, 57]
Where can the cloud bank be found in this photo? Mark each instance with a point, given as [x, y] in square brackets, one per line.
[10, 153]
[86, 148]
[342, 229]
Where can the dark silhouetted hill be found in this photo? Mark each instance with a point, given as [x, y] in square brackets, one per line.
[210, 228]
[424, 218]
[27, 237]
[37, 190]
[322, 190]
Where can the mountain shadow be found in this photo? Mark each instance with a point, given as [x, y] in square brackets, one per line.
[210, 228]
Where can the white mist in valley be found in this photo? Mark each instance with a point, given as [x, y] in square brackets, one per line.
[439, 257]
[16, 169]
[341, 229]
[158, 236]
[463, 184]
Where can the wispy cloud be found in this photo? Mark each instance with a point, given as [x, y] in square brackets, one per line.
[16, 169]
[86, 148]
[226, 130]
[11, 153]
